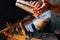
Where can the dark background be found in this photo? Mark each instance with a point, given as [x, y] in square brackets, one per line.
[9, 12]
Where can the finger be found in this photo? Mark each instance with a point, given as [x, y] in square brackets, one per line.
[35, 11]
[30, 2]
[37, 4]
[33, 3]
[40, 11]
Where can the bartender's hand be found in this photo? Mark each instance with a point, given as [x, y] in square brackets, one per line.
[36, 10]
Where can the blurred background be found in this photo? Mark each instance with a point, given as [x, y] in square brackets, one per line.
[55, 17]
[9, 12]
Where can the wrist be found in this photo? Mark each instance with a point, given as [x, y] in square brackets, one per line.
[36, 15]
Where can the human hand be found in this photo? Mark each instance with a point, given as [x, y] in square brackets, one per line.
[35, 11]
